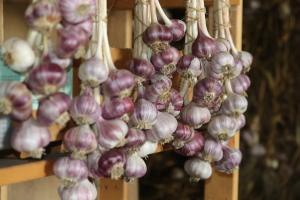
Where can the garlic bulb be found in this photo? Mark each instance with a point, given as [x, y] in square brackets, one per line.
[15, 100]
[135, 138]
[240, 84]
[159, 89]
[77, 10]
[240, 121]
[222, 127]
[17, 54]
[189, 66]
[80, 140]
[203, 46]
[222, 62]
[46, 78]
[70, 171]
[197, 169]
[246, 58]
[111, 164]
[54, 108]
[86, 25]
[135, 167]
[163, 129]
[193, 146]
[222, 45]
[178, 29]
[234, 105]
[212, 150]
[84, 109]
[117, 108]
[29, 136]
[43, 16]
[236, 69]
[194, 115]
[92, 72]
[84, 190]
[144, 114]
[182, 135]
[141, 68]
[92, 163]
[231, 159]
[175, 104]
[111, 133]
[148, 148]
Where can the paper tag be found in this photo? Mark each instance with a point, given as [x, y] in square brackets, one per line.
[6, 74]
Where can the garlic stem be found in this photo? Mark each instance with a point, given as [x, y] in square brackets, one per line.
[32, 36]
[153, 12]
[162, 13]
[135, 27]
[201, 13]
[194, 23]
[228, 87]
[144, 47]
[140, 29]
[220, 17]
[46, 46]
[184, 86]
[98, 52]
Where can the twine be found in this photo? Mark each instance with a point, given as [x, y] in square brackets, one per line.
[217, 25]
[135, 14]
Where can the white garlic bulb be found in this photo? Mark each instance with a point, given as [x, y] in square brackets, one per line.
[197, 169]
[17, 54]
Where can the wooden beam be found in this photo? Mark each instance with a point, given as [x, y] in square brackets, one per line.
[128, 4]
[1, 22]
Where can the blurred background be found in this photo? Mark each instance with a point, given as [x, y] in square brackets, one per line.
[270, 141]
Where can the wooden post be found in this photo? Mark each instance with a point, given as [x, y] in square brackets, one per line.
[1, 22]
[222, 186]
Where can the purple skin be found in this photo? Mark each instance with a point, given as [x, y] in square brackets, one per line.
[161, 106]
[86, 25]
[45, 74]
[161, 59]
[185, 62]
[207, 85]
[203, 46]
[192, 147]
[144, 111]
[177, 29]
[135, 167]
[240, 121]
[176, 99]
[116, 108]
[70, 168]
[183, 133]
[118, 81]
[157, 33]
[135, 139]
[58, 103]
[141, 68]
[108, 160]
[231, 159]
[240, 83]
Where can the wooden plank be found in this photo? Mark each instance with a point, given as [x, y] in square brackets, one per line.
[113, 189]
[120, 28]
[227, 184]
[128, 4]
[3, 193]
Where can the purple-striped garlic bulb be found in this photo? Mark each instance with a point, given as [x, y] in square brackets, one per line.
[166, 61]
[189, 66]
[240, 121]
[29, 136]
[209, 73]
[144, 114]
[111, 133]
[84, 190]
[86, 25]
[212, 150]
[192, 147]
[178, 29]
[92, 72]
[240, 84]
[207, 92]
[222, 62]
[197, 169]
[148, 148]
[135, 138]
[194, 115]
[84, 109]
[141, 68]
[222, 127]
[135, 167]
[71, 42]
[54, 108]
[182, 135]
[117, 108]
[157, 37]
[246, 59]
[70, 171]
[46, 78]
[159, 89]
[232, 157]
[236, 69]
[175, 104]
[92, 163]
[111, 164]
[43, 16]
[119, 83]
[222, 45]
[17, 54]
[80, 140]
[53, 58]
[163, 129]
[203, 46]
[77, 10]
[15, 100]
